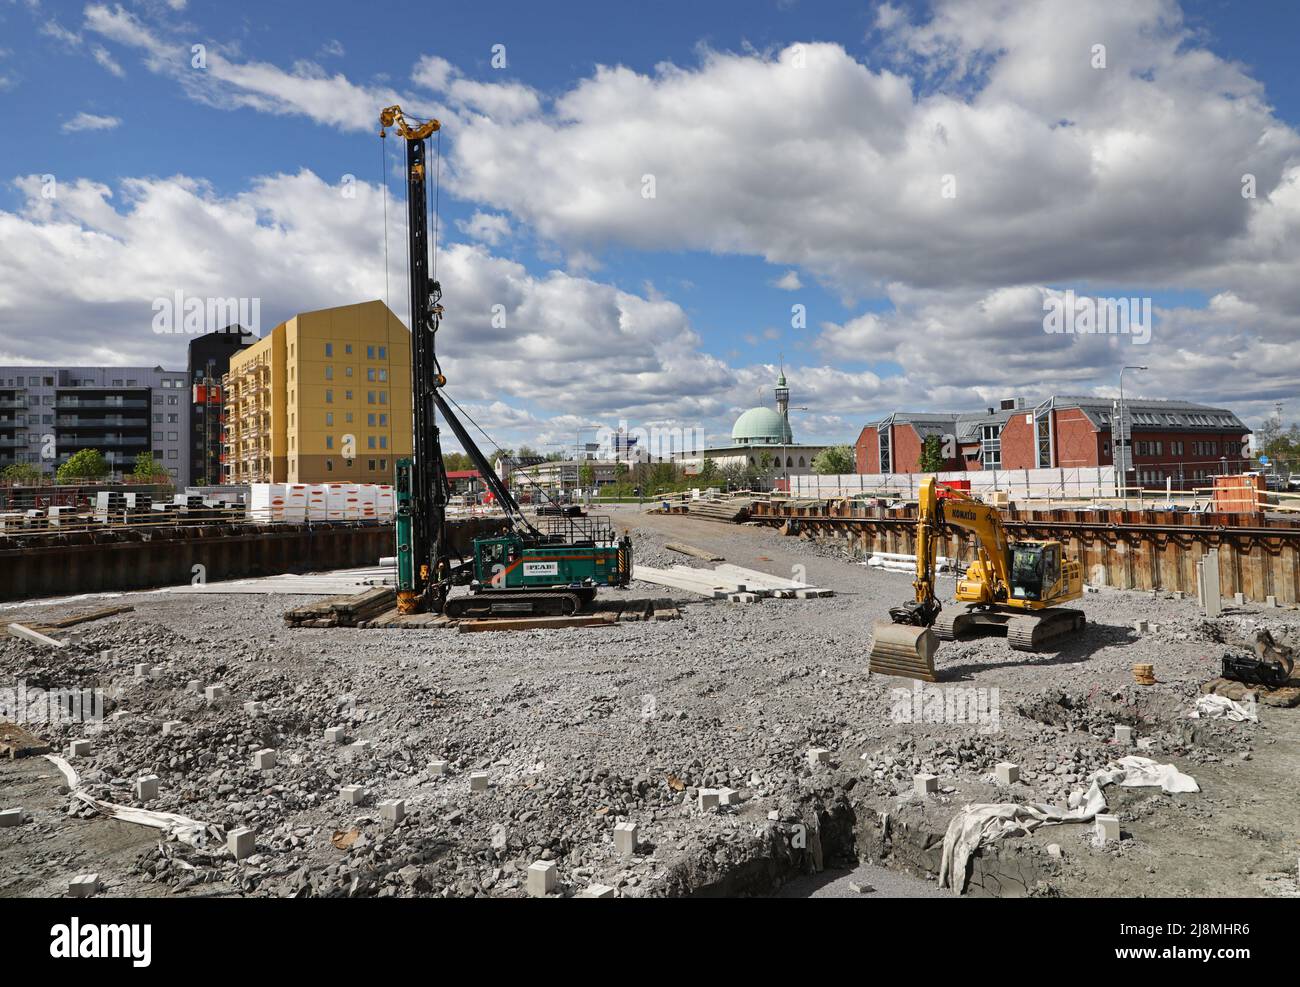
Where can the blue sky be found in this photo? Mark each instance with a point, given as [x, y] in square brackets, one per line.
[805, 198]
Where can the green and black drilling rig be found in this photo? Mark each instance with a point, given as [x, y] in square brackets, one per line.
[554, 566]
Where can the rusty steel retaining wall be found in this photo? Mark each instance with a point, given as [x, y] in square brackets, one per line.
[1144, 550]
[125, 559]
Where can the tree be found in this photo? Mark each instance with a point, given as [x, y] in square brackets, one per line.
[86, 464]
[833, 461]
[735, 474]
[1280, 444]
[20, 473]
[148, 468]
[456, 461]
[932, 460]
[586, 476]
[708, 472]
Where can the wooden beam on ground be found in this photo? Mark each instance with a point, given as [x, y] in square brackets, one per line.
[36, 637]
[536, 623]
[699, 553]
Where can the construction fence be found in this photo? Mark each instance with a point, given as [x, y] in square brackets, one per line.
[1082, 483]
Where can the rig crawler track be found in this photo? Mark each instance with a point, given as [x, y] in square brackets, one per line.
[1025, 631]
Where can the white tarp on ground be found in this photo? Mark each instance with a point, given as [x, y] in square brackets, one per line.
[1081, 483]
[1221, 707]
[981, 824]
[185, 829]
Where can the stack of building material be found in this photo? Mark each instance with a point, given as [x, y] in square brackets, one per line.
[899, 562]
[733, 510]
[343, 611]
[727, 582]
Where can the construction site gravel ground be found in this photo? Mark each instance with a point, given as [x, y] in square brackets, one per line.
[579, 729]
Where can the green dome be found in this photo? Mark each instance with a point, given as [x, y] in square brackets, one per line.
[761, 426]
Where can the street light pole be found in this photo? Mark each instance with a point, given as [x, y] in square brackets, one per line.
[1125, 435]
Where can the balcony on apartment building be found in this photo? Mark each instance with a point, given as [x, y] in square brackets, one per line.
[102, 441]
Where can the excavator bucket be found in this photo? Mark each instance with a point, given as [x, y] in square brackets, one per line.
[904, 650]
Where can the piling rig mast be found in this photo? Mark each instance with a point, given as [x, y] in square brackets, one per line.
[525, 570]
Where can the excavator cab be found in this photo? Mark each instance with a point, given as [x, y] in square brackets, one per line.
[1035, 570]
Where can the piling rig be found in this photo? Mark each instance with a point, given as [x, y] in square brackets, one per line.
[555, 569]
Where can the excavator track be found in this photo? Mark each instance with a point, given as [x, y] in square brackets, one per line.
[1036, 630]
[497, 604]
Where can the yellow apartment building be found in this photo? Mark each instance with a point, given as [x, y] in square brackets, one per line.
[323, 397]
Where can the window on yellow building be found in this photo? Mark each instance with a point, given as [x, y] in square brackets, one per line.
[329, 397]
[370, 373]
[370, 442]
[329, 418]
[370, 397]
[329, 372]
[329, 442]
[370, 352]
[329, 349]
[383, 352]
[383, 397]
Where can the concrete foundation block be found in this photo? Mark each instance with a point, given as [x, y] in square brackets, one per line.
[438, 767]
[336, 735]
[728, 796]
[358, 749]
[12, 817]
[1141, 626]
[157, 672]
[80, 748]
[542, 878]
[353, 794]
[1107, 829]
[742, 597]
[214, 693]
[625, 838]
[172, 726]
[83, 886]
[241, 843]
[1179, 595]
[818, 757]
[709, 799]
[598, 891]
[925, 784]
[478, 781]
[146, 788]
[254, 708]
[1239, 599]
[1270, 602]
[1007, 773]
[194, 685]
[393, 810]
[142, 671]
[1124, 735]
[264, 760]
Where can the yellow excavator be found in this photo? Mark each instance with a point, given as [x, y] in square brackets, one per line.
[1013, 588]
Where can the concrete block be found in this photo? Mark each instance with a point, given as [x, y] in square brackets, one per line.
[1270, 601]
[438, 767]
[709, 799]
[625, 838]
[1054, 850]
[83, 885]
[146, 788]
[925, 784]
[818, 756]
[1179, 595]
[12, 817]
[241, 843]
[542, 877]
[157, 672]
[742, 598]
[728, 796]
[80, 748]
[1124, 735]
[172, 726]
[478, 781]
[194, 685]
[336, 735]
[264, 760]
[353, 794]
[597, 891]
[254, 708]
[215, 692]
[1007, 773]
[142, 671]
[1239, 599]
[393, 810]
[1141, 626]
[357, 749]
[1107, 829]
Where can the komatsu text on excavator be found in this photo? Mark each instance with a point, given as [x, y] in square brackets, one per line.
[1013, 588]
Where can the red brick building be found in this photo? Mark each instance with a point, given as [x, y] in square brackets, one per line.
[1177, 440]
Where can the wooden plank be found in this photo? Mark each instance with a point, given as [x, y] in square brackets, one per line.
[35, 637]
[535, 623]
[699, 553]
[82, 618]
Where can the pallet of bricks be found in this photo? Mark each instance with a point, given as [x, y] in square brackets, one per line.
[344, 611]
